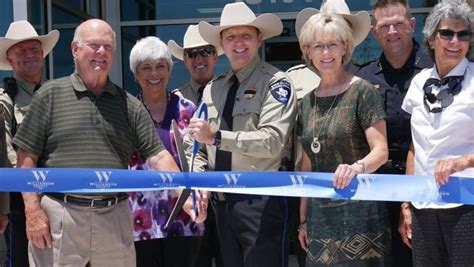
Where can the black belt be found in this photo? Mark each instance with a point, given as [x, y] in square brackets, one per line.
[95, 203]
[234, 198]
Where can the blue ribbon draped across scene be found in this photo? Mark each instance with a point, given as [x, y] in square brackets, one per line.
[381, 187]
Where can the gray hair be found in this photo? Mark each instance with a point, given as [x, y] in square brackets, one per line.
[323, 24]
[149, 48]
[457, 10]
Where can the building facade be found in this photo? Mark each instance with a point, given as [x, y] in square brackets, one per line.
[168, 19]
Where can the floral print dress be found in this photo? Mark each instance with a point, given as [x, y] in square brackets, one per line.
[150, 210]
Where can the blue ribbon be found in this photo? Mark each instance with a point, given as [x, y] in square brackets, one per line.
[295, 184]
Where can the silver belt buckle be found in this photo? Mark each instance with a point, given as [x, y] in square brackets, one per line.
[93, 203]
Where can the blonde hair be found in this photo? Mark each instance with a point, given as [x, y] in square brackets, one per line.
[321, 25]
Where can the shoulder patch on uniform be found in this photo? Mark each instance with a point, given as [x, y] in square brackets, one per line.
[281, 91]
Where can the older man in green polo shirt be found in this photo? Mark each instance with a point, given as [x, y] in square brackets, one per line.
[85, 121]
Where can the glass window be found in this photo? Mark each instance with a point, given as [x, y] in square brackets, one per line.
[171, 9]
[63, 61]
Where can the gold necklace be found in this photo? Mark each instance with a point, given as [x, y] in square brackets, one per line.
[316, 145]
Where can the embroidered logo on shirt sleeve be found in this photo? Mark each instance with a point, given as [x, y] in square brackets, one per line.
[281, 91]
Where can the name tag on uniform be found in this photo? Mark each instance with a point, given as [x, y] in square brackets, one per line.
[250, 93]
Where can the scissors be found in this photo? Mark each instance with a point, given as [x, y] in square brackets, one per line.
[201, 112]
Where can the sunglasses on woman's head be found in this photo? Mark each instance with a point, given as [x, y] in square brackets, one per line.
[448, 34]
[204, 52]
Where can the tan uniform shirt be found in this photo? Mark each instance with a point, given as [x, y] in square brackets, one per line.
[261, 123]
[303, 78]
[19, 109]
[189, 91]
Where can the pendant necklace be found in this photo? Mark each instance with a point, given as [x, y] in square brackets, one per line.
[156, 122]
[316, 145]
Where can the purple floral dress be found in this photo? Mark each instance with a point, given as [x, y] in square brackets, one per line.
[150, 210]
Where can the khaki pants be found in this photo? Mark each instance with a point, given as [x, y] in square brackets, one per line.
[81, 235]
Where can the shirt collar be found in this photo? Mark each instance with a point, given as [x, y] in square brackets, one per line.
[245, 72]
[195, 86]
[458, 70]
[413, 60]
[29, 87]
[79, 86]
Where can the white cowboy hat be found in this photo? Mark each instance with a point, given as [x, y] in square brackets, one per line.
[191, 39]
[20, 31]
[360, 22]
[239, 14]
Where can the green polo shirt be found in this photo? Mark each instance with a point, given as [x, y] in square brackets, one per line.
[68, 126]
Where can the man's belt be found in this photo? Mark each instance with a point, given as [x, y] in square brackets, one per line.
[95, 203]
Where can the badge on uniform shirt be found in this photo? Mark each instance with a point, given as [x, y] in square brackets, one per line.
[281, 91]
[249, 93]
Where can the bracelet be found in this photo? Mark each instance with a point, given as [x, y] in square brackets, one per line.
[361, 163]
[301, 225]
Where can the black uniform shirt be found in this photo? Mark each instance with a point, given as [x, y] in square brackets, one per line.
[393, 85]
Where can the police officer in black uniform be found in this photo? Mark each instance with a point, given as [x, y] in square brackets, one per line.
[401, 59]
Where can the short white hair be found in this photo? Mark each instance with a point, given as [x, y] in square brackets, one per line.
[149, 48]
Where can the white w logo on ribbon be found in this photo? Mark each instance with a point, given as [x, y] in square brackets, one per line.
[40, 175]
[103, 175]
[232, 178]
[365, 181]
[167, 177]
[298, 179]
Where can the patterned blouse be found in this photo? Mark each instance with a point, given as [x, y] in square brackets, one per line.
[343, 232]
[150, 210]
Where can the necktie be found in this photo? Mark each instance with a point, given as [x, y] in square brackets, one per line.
[224, 158]
[199, 93]
[448, 88]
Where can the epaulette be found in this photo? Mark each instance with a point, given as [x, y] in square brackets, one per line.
[218, 77]
[271, 70]
[181, 88]
[296, 67]
[367, 63]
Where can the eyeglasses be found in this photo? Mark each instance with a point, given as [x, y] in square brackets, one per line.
[447, 34]
[320, 48]
[204, 52]
[96, 47]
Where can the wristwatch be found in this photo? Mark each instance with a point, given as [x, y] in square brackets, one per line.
[217, 139]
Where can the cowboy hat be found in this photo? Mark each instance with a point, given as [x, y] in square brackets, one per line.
[239, 14]
[191, 39]
[359, 22]
[20, 31]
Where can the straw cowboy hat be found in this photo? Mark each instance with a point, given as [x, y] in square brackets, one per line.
[191, 39]
[239, 14]
[20, 31]
[360, 22]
